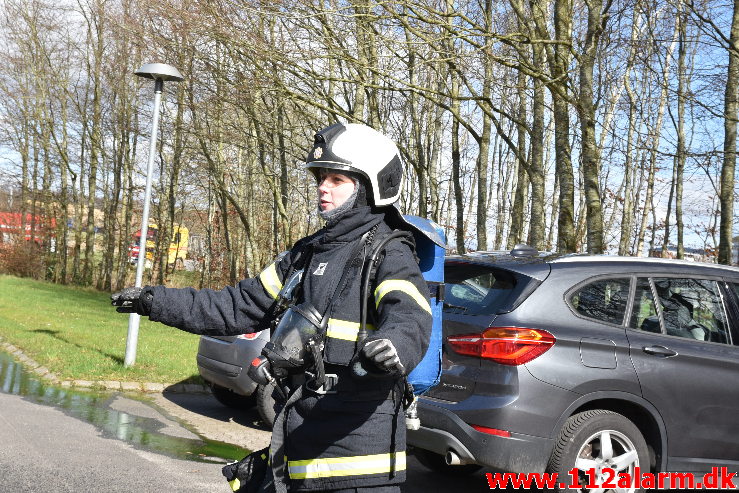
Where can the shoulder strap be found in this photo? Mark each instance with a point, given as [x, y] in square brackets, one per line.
[301, 259]
[369, 273]
[378, 252]
[356, 259]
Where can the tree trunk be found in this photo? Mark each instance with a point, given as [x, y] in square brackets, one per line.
[680, 154]
[456, 178]
[586, 109]
[484, 143]
[537, 227]
[287, 237]
[627, 211]
[731, 105]
[520, 199]
[566, 241]
[515, 233]
[97, 47]
[63, 238]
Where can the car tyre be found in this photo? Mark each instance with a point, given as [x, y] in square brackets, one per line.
[268, 403]
[436, 462]
[599, 439]
[231, 399]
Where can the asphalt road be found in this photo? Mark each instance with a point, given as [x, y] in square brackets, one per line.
[44, 449]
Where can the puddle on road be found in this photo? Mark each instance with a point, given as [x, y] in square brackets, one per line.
[94, 407]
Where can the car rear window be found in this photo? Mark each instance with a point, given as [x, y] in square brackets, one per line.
[474, 289]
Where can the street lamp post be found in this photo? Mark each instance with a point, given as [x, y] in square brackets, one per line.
[159, 72]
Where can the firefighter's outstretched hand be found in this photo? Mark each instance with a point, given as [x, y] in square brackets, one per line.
[132, 300]
[382, 353]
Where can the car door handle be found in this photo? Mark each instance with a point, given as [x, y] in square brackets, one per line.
[659, 351]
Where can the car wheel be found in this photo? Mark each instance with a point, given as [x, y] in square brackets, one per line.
[269, 403]
[436, 463]
[231, 399]
[600, 444]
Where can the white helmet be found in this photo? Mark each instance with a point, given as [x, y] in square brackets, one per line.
[361, 149]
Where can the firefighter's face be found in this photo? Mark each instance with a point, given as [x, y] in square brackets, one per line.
[333, 189]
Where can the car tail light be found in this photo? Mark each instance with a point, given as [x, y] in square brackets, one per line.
[505, 345]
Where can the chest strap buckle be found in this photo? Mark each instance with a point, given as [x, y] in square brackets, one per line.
[329, 384]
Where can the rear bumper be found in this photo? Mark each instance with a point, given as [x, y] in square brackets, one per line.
[222, 374]
[223, 362]
[441, 430]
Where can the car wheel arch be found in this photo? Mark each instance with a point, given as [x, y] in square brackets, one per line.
[640, 411]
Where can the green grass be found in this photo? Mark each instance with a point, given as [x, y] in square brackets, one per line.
[77, 334]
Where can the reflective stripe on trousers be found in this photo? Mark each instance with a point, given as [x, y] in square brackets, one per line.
[346, 466]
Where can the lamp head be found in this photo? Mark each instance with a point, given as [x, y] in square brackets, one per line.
[159, 71]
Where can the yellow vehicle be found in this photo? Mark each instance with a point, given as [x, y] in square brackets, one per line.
[177, 246]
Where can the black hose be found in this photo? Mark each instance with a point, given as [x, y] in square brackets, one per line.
[366, 275]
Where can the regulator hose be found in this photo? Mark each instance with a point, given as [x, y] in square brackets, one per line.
[358, 369]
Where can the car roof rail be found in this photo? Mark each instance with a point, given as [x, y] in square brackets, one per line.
[523, 250]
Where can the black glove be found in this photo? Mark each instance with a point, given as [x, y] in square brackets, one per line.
[133, 300]
[247, 475]
[383, 355]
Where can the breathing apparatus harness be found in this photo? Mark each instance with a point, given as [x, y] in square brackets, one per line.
[297, 342]
[298, 337]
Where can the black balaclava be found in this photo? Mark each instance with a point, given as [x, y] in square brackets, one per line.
[357, 199]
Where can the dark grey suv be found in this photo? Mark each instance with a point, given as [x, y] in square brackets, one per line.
[588, 362]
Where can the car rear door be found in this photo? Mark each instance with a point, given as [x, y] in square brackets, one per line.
[591, 352]
[687, 364]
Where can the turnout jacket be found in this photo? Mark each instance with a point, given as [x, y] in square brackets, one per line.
[355, 436]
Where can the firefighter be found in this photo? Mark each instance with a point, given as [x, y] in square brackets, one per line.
[342, 433]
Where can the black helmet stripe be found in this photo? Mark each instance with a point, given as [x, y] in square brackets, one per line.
[390, 178]
[322, 145]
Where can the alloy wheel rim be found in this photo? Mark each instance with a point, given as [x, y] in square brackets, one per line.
[603, 450]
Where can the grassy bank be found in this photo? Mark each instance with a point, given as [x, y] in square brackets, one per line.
[77, 334]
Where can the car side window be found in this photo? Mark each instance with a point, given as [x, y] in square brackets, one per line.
[603, 300]
[692, 308]
[644, 315]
